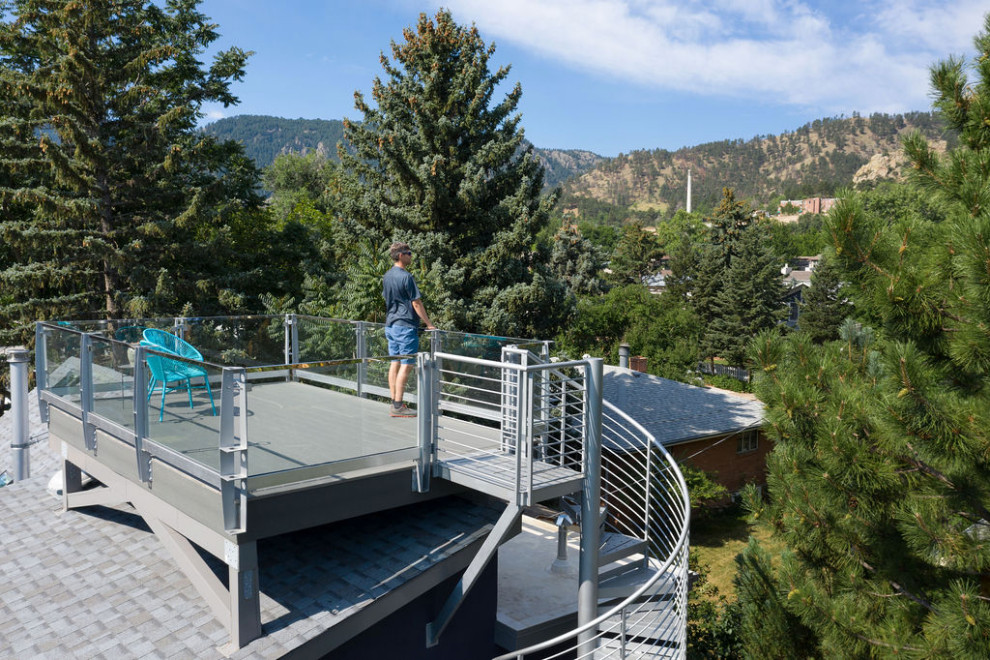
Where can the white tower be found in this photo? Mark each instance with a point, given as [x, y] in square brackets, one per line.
[689, 192]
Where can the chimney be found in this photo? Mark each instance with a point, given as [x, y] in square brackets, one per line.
[624, 356]
[638, 363]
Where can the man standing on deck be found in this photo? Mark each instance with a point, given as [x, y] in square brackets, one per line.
[402, 307]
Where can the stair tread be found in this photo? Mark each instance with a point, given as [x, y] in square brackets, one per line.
[615, 546]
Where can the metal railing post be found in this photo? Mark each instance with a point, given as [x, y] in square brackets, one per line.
[18, 358]
[295, 339]
[142, 457]
[590, 513]
[234, 449]
[179, 327]
[361, 352]
[424, 419]
[86, 389]
[41, 367]
[290, 321]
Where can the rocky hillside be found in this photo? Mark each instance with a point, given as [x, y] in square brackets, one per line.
[815, 160]
[266, 137]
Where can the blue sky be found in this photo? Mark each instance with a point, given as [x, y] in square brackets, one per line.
[612, 76]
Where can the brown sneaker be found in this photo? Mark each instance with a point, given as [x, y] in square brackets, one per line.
[402, 411]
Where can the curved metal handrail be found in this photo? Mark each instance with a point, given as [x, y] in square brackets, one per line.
[676, 559]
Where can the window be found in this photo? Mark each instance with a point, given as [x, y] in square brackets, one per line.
[748, 441]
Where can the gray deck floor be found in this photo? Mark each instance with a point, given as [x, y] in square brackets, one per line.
[290, 425]
[298, 431]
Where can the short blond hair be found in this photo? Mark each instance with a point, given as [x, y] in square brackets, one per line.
[396, 249]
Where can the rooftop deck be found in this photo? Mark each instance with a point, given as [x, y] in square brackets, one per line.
[302, 442]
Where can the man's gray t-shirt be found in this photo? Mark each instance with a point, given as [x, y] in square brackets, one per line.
[399, 289]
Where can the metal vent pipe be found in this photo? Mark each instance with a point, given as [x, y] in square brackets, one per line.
[18, 359]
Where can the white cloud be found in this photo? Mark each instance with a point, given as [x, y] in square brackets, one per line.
[870, 55]
[213, 115]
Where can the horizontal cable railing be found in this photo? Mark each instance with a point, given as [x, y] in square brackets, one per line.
[488, 410]
[645, 497]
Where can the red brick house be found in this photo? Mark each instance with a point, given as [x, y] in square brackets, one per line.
[715, 430]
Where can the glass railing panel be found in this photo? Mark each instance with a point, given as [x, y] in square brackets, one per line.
[323, 339]
[184, 402]
[319, 425]
[241, 341]
[113, 380]
[63, 368]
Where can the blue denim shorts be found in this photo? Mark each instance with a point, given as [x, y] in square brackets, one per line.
[403, 340]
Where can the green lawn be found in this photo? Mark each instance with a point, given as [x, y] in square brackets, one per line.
[717, 540]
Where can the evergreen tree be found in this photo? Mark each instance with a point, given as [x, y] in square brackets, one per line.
[578, 262]
[636, 255]
[736, 290]
[750, 298]
[824, 308]
[112, 200]
[880, 478]
[437, 163]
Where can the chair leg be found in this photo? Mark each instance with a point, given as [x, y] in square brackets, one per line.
[189, 391]
[161, 413]
[206, 379]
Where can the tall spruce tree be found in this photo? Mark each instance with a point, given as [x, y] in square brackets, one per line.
[737, 290]
[112, 199]
[880, 479]
[437, 162]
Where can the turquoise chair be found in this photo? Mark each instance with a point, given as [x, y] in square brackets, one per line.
[165, 371]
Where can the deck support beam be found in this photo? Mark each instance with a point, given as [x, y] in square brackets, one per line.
[506, 523]
[239, 607]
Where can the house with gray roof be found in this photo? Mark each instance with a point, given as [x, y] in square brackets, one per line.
[712, 429]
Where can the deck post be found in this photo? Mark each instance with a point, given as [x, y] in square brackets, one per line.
[18, 359]
[424, 420]
[245, 600]
[590, 514]
[41, 367]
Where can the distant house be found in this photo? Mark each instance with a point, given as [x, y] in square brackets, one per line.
[815, 205]
[797, 277]
[711, 429]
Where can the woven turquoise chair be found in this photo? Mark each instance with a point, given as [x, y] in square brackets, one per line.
[172, 371]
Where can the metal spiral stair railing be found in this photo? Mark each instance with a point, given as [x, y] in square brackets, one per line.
[647, 498]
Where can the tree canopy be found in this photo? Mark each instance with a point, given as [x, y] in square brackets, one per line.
[880, 478]
[113, 202]
[439, 162]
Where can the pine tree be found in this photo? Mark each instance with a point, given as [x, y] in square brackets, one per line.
[880, 478]
[111, 197]
[437, 162]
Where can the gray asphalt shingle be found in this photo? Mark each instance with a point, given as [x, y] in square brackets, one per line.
[676, 412]
[96, 583]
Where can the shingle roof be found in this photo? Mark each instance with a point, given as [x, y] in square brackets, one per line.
[96, 583]
[676, 412]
